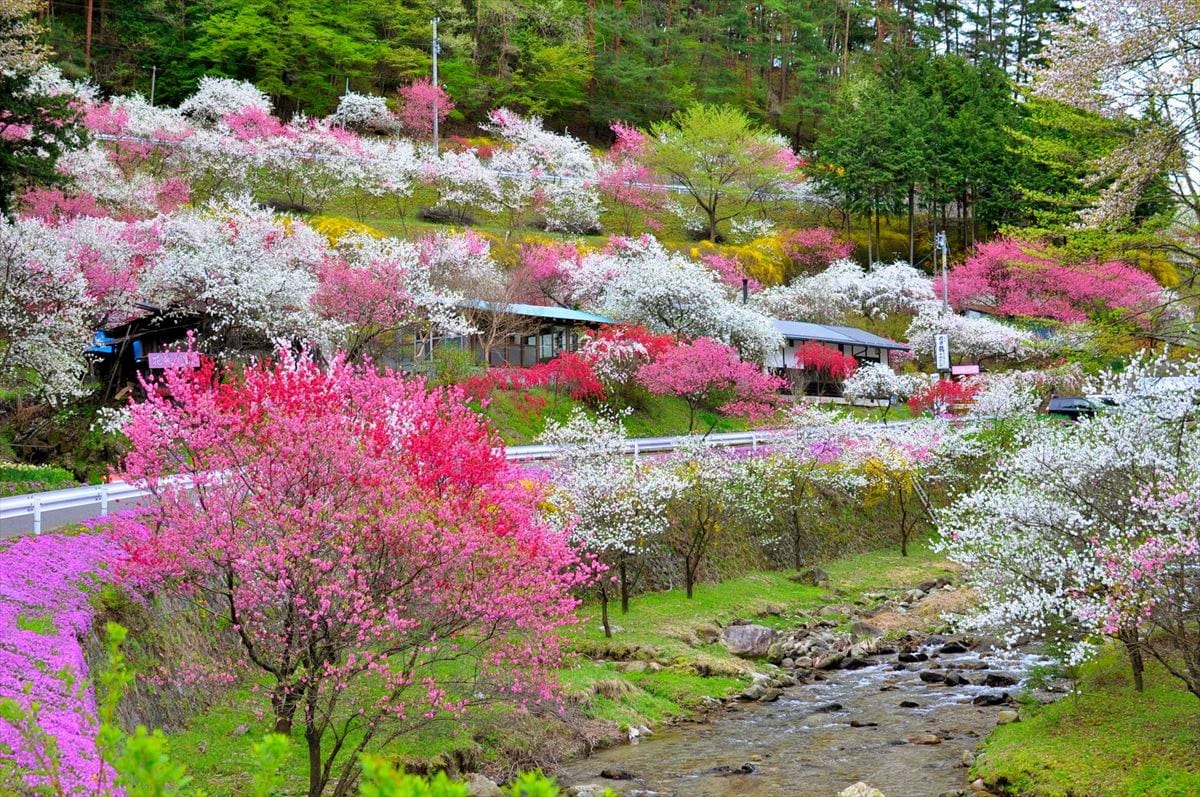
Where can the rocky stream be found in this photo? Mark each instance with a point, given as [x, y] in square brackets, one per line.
[902, 713]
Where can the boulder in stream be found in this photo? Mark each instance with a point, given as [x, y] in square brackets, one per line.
[860, 789]
[748, 641]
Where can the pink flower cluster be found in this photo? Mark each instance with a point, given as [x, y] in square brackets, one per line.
[706, 371]
[44, 617]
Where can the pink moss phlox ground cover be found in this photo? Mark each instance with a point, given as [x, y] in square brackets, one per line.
[44, 618]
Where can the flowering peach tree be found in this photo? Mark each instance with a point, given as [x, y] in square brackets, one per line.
[361, 532]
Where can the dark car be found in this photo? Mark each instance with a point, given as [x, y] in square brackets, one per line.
[1072, 407]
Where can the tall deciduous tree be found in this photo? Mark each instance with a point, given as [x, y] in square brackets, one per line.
[722, 160]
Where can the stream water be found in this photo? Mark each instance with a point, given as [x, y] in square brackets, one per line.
[803, 745]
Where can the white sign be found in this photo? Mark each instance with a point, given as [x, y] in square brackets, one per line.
[941, 352]
[161, 360]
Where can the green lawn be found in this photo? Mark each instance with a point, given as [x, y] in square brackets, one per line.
[1108, 741]
[660, 627]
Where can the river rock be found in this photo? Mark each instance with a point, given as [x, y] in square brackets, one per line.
[860, 789]
[1006, 717]
[909, 704]
[828, 708]
[995, 680]
[615, 774]
[707, 632]
[587, 790]
[812, 576]
[955, 679]
[863, 724]
[911, 658]
[481, 786]
[954, 646]
[829, 661]
[748, 641]
[859, 628]
[968, 758]
[752, 692]
[925, 738]
[804, 662]
[770, 695]
[854, 663]
[788, 664]
[931, 677]
[991, 699]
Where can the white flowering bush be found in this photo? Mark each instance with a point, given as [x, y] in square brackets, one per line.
[217, 97]
[365, 113]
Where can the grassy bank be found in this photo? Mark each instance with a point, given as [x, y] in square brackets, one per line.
[1108, 741]
[520, 416]
[655, 668]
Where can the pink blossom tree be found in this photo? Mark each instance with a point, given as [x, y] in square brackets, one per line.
[354, 577]
[625, 179]
[1018, 279]
[419, 101]
[710, 376]
[811, 250]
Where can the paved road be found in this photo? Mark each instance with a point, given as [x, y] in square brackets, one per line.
[58, 508]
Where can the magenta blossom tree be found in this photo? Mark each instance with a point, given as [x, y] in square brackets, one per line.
[419, 101]
[710, 376]
[361, 532]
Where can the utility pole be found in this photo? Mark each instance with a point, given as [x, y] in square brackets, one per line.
[939, 242]
[87, 34]
[153, 83]
[436, 109]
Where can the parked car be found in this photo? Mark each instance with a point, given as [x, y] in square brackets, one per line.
[1104, 403]
[1072, 407]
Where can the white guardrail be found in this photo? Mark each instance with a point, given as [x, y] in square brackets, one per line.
[34, 513]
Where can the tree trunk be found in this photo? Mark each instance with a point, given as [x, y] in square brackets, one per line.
[912, 230]
[1137, 664]
[604, 610]
[689, 577]
[316, 781]
[903, 521]
[796, 558]
[284, 706]
[624, 586]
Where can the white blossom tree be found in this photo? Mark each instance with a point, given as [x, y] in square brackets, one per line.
[613, 505]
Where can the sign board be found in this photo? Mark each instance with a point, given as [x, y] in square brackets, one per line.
[941, 352]
[964, 370]
[160, 360]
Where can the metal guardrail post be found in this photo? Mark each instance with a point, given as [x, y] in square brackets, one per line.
[635, 450]
[103, 499]
[36, 506]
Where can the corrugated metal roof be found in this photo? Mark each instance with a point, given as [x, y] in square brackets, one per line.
[826, 333]
[538, 311]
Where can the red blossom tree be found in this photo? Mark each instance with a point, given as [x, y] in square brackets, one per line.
[360, 531]
[710, 376]
[817, 361]
[940, 397]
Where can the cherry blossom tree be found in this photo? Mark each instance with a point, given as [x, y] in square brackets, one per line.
[1082, 533]
[463, 182]
[351, 579]
[878, 382]
[617, 352]
[827, 297]
[710, 376]
[562, 165]
[364, 113]
[971, 339]
[639, 281]
[217, 97]
[1133, 58]
[812, 250]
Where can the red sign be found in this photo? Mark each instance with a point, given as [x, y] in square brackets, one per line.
[161, 360]
[964, 370]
